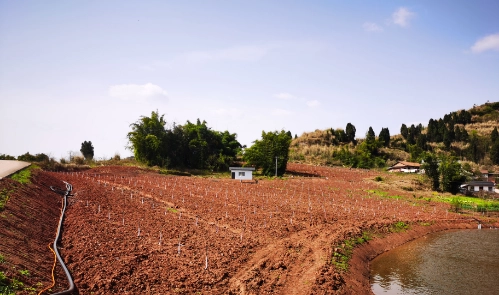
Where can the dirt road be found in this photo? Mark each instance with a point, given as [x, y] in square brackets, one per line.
[7, 167]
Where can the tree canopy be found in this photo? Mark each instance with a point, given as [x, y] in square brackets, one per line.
[185, 146]
[350, 132]
[384, 137]
[263, 153]
[87, 150]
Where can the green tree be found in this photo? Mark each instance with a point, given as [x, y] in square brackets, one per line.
[421, 142]
[450, 170]
[147, 139]
[475, 150]
[263, 153]
[430, 167]
[370, 135]
[404, 131]
[193, 145]
[350, 132]
[367, 155]
[87, 150]
[411, 135]
[384, 137]
[447, 139]
[494, 135]
[494, 152]
[341, 136]
[6, 157]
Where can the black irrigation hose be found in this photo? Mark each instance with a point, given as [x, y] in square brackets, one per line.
[66, 193]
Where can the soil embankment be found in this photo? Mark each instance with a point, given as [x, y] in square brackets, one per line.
[28, 223]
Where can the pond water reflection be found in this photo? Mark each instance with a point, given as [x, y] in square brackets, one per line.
[451, 262]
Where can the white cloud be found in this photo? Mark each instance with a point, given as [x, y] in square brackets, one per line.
[490, 42]
[284, 95]
[313, 103]
[402, 16]
[138, 93]
[237, 53]
[282, 112]
[372, 27]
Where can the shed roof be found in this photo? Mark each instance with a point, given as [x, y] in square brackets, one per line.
[242, 168]
[481, 183]
[401, 164]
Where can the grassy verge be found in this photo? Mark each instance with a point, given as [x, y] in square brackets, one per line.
[23, 176]
[343, 252]
[458, 203]
[383, 194]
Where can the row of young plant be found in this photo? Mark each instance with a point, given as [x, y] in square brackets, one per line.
[210, 223]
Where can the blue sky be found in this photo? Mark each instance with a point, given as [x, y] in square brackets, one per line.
[72, 71]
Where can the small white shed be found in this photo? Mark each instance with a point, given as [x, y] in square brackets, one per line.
[242, 173]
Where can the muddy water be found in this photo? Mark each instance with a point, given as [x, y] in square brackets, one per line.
[451, 262]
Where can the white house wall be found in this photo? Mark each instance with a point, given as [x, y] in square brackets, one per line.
[248, 175]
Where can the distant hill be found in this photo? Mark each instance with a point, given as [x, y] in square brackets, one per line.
[469, 135]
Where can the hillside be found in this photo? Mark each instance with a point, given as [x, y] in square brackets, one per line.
[464, 134]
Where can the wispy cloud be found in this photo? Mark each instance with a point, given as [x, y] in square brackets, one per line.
[237, 53]
[282, 112]
[372, 27]
[284, 95]
[490, 42]
[138, 93]
[402, 16]
[313, 103]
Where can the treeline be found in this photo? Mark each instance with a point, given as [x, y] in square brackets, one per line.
[194, 146]
[367, 154]
[449, 134]
[346, 149]
[27, 157]
[447, 130]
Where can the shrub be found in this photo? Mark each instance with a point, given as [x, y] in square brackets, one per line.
[78, 160]
[378, 178]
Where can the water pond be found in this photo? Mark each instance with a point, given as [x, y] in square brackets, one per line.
[450, 262]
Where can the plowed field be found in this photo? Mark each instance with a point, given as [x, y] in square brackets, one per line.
[130, 231]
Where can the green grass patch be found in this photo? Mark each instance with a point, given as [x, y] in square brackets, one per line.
[2, 258]
[399, 227]
[425, 223]
[342, 253]
[24, 272]
[9, 286]
[383, 194]
[459, 203]
[172, 210]
[378, 178]
[4, 197]
[23, 176]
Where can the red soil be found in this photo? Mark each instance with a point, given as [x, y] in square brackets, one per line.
[124, 225]
[27, 226]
